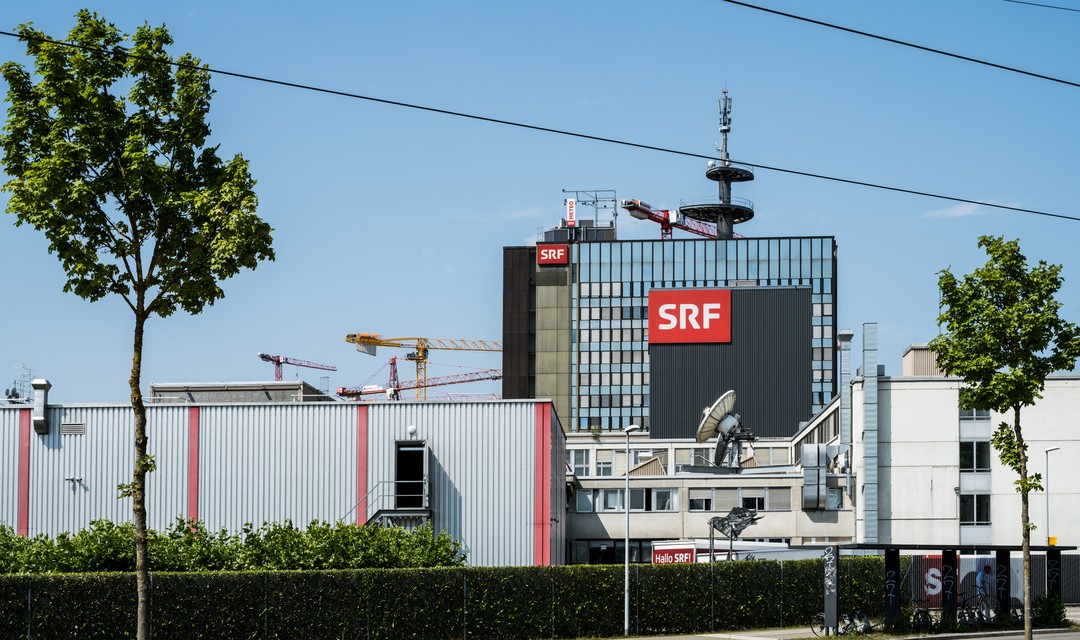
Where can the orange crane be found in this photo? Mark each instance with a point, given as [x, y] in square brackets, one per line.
[668, 220]
[280, 360]
[394, 388]
[368, 342]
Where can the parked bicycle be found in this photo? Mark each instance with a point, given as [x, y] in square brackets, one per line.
[858, 623]
[919, 618]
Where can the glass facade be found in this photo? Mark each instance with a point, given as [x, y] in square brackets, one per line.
[610, 288]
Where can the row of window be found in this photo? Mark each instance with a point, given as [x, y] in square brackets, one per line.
[724, 499]
[606, 400]
[599, 500]
[720, 500]
[612, 357]
[634, 378]
[580, 459]
[641, 311]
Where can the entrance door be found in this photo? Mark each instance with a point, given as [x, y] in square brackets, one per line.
[410, 475]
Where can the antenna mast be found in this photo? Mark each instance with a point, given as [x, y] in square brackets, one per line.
[729, 211]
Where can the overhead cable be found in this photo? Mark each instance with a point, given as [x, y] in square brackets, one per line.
[906, 44]
[562, 132]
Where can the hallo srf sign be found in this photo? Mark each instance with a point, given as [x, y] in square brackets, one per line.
[689, 316]
[552, 254]
[679, 555]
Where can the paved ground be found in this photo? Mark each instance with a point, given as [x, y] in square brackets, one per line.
[1072, 613]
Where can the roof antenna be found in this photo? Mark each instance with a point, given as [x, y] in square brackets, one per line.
[729, 211]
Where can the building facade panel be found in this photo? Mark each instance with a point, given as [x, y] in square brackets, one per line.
[482, 468]
[767, 364]
[276, 462]
[607, 379]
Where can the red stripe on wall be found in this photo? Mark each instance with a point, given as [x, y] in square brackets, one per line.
[193, 464]
[542, 487]
[23, 525]
[361, 464]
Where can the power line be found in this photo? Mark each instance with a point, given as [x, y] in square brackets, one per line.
[1045, 6]
[562, 132]
[907, 44]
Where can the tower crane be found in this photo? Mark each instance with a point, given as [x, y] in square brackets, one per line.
[668, 220]
[394, 388]
[280, 360]
[368, 342]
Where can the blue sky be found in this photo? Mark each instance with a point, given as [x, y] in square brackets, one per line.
[392, 221]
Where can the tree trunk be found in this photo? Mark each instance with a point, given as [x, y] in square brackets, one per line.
[1025, 522]
[138, 486]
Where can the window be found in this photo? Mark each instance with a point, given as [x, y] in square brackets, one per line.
[701, 499]
[975, 508]
[603, 463]
[754, 502]
[653, 499]
[610, 500]
[579, 461]
[585, 501]
[974, 414]
[975, 456]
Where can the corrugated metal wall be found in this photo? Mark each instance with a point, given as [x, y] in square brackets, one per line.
[269, 463]
[767, 363]
[76, 476]
[482, 469]
[9, 466]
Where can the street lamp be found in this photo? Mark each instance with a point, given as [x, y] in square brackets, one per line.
[626, 543]
[1046, 492]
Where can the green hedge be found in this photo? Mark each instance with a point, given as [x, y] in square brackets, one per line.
[448, 602]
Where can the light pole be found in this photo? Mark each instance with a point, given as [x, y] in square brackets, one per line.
[1046, 492]
[626, 542]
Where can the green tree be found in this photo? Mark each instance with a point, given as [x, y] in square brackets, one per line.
[108, 157]
[1003, 336]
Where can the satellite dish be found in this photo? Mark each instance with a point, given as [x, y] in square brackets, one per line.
[721, 452]
[714, 416]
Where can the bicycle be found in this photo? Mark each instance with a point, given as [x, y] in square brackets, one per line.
[920, 618]
[846, 625]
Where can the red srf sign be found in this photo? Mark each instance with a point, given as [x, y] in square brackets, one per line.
[689, 316]
[552, 254]
[674, 556]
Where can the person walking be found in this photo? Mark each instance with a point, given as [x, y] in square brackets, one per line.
[983, 584]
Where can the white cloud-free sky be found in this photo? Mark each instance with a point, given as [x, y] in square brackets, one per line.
[392, 221]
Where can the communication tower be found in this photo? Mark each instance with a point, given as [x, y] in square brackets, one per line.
[729, 211]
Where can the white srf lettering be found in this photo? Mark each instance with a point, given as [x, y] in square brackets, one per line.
[687, 315]
[712, 312]
[933, 581]
[670, 320]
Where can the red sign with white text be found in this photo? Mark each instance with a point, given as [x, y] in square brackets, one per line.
[689, 316]
[552, 254]
[674, 556]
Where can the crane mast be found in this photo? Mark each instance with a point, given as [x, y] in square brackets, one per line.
[368, 342]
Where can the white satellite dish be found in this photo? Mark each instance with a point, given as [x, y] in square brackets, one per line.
[713, 416]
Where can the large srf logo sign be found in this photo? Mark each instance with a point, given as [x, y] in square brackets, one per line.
[689, 315]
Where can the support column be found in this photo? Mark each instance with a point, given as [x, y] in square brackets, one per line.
[1053, 572]
[948, 586]
[1004, 583]
[892, 588]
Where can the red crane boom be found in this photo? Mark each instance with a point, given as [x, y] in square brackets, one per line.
[392, 390]
[668, 220]
[280, 360]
